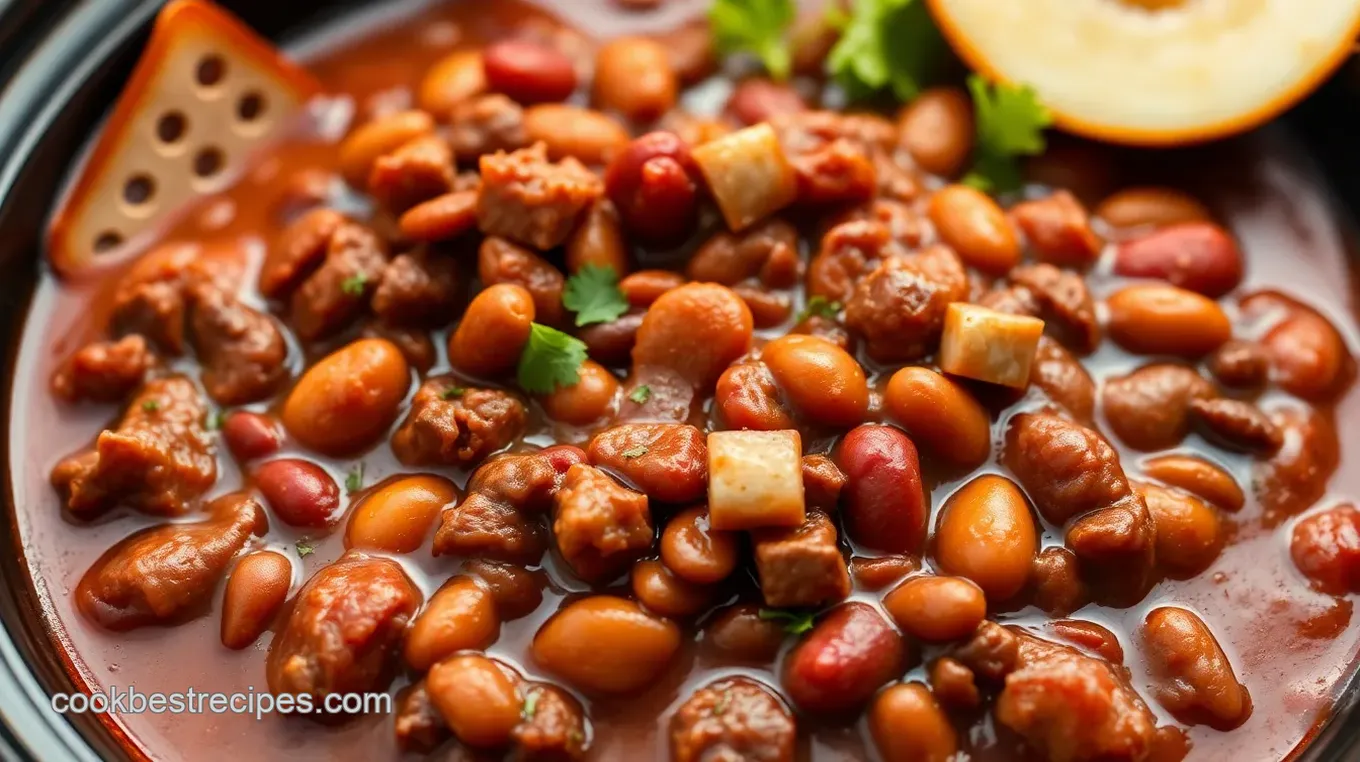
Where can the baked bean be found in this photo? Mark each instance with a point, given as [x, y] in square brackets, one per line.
[696, 330]
[598, 241]
[1191, 675]
[493, 332]
[987, 534]
[878, 573]
[1153, 319]
[361, 149]
[1151, 207]
[885, 506]
[460, 616]
[644, 287]
[606, 645]
[582, 133]
[250, 436]
[971, 223]
[768, 309]
[818, 379]
[940, 414]
[299, 492]
[396, 516]
[452, 80]
[908, 725]
[441, 218]
[1240, 364]
[847, 656]
[528, 72]
[255, 590]
[1149, 409]
[738, 632]
[502, 261]
[758, 100]
[695, 551]
[1326, 549]
[937, 609]
[654, 183]
[1199, 256]
[633, 76]
[1308, 356]
[516, 590]
[667, 594]
[1296, 476]
[748, 398]
[937, 130]
[593, 397]
[347, 400]
[1056, 583]
[1189, 535]
[1091, 637]
[1198, 477]
[611, 343]
[477, 698]
[1058, 230]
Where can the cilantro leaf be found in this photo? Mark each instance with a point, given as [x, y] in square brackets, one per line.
[593, 294]
[452, 393]
[754, 26]
[794, 622]
[216, 420]
[1010, 123]
[354, 285]
[887, 45]
[550, 359]
[304, 548]
[151, 406]
[635, 452]
[354, 481]
[820, 306]
[641, 394]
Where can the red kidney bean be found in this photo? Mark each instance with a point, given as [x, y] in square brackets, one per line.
[756, 100]
[1199, 256]
[299, 491]
[885, 506]
[250, 436]
[528, 72]
[653, 183]
[1308, 357]
[843, 661]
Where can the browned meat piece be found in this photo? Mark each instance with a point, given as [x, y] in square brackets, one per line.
[1240, 364]
[1071, 707]
[157, 460]
[954, 684]
[842, 158]
[899, 308]
[601, 526]
[298, 251]
[823, 481]
[1149, 409]
[801, 566]
[457, 426]
[848, 252]
[168, 573]
[528, 199]
[499, 519]
[242, 351]
[418, 171]
[1064, 302]
[415, 343]
[486, 124]
[152, 309]
[553, 727]
[104, 371]
[667, 461]
[768, 251]
[992, 652]
[344, 631]
[1064, 379]
[1055, 582]
[733, 719]
[1296, 476]
[418, 724]
[500, 261]
[339, 289]
[1237, 425]
[418, 289]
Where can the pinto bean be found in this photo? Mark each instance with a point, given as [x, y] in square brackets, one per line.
[452, 80]
[667, 594]
[695, 551]
[644, 287]
[1189, 534]
[847, 656]
[348, 399]
[581, 133]
[611, 344]
[885, 505]
[738, 632]
[1055, 582]
[672, 466]
[1151, 207]
[528, 72]
[1296, 476]
[1199, 477]
[477, 697]
[256, 589]
[460, 616]
[987, 534]
[1240, 364]
[937, 609]
[1308, 356]
[1326, 549]
[936, 128]
[1058, 229]
[516, 590]
[940, 414]
[598, 241]
[605, 645]
[1168, 320]
[818, 379]
[633, 76]
[972, 224]
[1236, 425]
[878, 573]
[696, 331]
[592, 398]
[250, 436]
[299, 492]
[493, 332]
[1149, 409]
[397, 516]
[1199, 256]
[1191, 675]
[361, 149]
[654, 183]
[908, 725]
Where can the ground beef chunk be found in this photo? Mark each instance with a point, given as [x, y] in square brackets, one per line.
[823, 481]
[242, 351]
[418, 171]
[500, 261]
[345, 629]
[1236, 425]
[168, 573]
[528, 199]
[992, 652]
[457, 426]
[954, 684]
[415, 343]
[1064, 380]
[667, 461]
[847, 253]
[104, 371]
[418, 724]
[1055, 584]
[299, 250]
[831, 168]
[801, 566]
[153, 309]
[1071, 707]
[486, 124]
[733, 719]
[899, 308]
[1149, 409]
[601, 526]
[157, 460]
[555, 731]
[1064, 303]
[339, 289]
[499, 518]
[418, 289]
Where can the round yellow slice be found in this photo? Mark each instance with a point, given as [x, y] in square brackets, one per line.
[1155, 72]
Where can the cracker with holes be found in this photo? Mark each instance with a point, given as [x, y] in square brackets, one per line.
[206, 93]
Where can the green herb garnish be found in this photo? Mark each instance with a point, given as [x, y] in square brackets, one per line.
[794, 622]
[593, 294]
[304, 548]
[820, 306]
[641, 394]
[754, 26]
[151, 406]
[354, 284]
[886, 45]
[530, 705]
[452, 393]
[634, 452]
[354, 481]
[1010, 124]
[550, 359]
